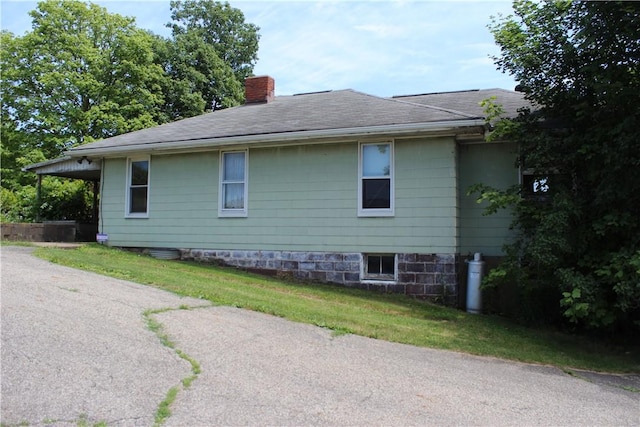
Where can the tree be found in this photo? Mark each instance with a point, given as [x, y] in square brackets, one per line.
[220, 26]
[579, 242]
[210, 54]
[199, 80]
[81, 74]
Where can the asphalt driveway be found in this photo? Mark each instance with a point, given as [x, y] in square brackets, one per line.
[76, 349]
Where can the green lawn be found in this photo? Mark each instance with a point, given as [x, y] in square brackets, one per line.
[389, 317]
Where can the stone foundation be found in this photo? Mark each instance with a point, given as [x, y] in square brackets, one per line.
[431, 276]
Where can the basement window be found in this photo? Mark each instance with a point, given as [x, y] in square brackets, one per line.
[379, 267]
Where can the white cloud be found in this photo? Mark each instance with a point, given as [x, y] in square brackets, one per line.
[382, 30]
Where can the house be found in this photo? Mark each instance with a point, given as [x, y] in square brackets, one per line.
[336, 186]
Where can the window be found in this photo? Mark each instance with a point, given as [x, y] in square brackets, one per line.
[375, 179]
[138, 187]
[379, 267]
[233, 183]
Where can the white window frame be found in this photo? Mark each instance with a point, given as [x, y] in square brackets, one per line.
[380, 279]
[222, 212]
[390, 211]
[127, 212]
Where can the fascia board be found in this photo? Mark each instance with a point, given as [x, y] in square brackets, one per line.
[278, 138]
[45, 163]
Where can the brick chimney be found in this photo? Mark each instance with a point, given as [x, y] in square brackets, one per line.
[259, 89]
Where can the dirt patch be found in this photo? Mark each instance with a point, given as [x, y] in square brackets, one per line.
[60, 245]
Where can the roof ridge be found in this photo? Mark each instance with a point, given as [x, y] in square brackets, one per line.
[436, 93]
[447, 110]
[454, 91]
[313, 93]
[424, 106]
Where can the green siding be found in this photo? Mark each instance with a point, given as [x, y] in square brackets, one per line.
[301, 198]
[492, 164]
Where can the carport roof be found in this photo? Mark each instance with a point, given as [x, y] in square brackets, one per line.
[67, 167]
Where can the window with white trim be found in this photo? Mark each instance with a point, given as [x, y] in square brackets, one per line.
[379, 267]
[233, 183]
[375, 183]
[138, 187]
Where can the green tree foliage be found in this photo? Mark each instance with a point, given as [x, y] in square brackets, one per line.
[578, 243]
[220, 26]
[199, 81]
[83, 74]
[211, 52]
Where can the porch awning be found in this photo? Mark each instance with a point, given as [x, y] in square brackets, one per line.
[67, 167]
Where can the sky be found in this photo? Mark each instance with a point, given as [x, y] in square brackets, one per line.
[382, 48]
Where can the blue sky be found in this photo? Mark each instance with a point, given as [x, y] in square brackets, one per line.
[382, 48]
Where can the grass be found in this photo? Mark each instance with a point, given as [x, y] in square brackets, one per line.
[154, 326]
[164, 409]
[395, 318]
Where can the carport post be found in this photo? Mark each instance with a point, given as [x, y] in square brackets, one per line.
[95, 200]
[38, 197]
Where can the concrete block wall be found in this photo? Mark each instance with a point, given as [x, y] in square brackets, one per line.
[431, 276]
[315, 266]
[25, 232]
[49, 231]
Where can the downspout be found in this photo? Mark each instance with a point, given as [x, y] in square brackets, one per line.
[101, 238]
[100, 215]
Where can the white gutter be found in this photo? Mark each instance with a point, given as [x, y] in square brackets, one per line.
[282, 137]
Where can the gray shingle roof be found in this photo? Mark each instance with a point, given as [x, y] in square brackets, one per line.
[333, 110]
[468, 101]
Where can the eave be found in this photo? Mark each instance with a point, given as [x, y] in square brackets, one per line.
[67, 167]
[453, 128]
